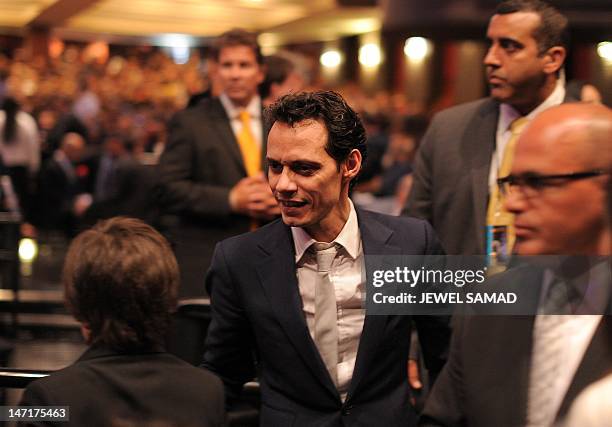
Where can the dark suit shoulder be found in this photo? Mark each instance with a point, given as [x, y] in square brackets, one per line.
[396, 223]
[204, 109]
[88, 369]
[461, 111]
[245, 242]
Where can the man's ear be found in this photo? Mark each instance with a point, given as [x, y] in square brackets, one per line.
[86, 332]
[554, 57]
[261, 75]
[352, 165]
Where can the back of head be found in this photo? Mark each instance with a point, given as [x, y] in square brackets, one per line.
[120, 280]
[553, 28]
[278, 69]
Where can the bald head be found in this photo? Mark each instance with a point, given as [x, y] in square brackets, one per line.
[564, 158]
[580, 133]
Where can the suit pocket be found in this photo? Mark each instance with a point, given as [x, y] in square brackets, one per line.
[271, 417]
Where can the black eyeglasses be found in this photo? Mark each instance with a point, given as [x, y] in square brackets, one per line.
[531, 183]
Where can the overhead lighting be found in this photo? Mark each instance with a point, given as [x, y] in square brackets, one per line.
[178, 46]
[604, 50]
[331, 59]
[416, 48]
[369, 55]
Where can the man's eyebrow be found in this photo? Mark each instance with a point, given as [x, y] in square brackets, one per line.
[309, 163]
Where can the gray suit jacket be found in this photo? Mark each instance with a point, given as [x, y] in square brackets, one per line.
[485, 382]
[451, 174]
[200, 165]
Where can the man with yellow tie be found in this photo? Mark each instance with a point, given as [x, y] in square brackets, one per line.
[468, 146]
[211, 180]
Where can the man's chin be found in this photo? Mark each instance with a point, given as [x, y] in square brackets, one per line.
[527, 248]
[238, 98]
[292, 221]
[500, 94]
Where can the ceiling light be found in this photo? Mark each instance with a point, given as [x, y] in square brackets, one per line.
[604, 50]
[330, 59]
[369, 55]
[416, 48]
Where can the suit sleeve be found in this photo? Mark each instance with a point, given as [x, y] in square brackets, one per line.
[229, 349]
[444, 407]
[177, 191]
[420, 200]
[434, 331]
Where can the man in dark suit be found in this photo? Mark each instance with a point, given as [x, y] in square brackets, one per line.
[526, 370]
[211, 183]
[290, 295]
[64, 186]
[465, 146]
[121, 281]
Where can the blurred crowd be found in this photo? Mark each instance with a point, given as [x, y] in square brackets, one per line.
[89, 125]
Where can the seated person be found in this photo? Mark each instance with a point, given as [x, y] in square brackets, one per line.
[121, 281]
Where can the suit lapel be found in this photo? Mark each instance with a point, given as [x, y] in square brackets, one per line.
[374, 237]
[277, 275]
[517, 330]
[220, 124]
[478, 144]
[264, 140]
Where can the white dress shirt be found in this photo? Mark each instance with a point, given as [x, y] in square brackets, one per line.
[507, 114]
[347, 274]
[25, 150]
[254, 110]
[577, 333]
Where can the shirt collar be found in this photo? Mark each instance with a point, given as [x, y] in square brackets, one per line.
[507, 113]
[349, 237]
[253, 108]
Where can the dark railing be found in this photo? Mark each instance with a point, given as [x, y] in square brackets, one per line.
[19, 378]
[9, 261]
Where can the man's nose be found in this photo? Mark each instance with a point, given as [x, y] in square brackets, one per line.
[285, 183]
[514, 201]
[491, 59]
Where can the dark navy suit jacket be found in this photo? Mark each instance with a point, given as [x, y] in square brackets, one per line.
[257, 315]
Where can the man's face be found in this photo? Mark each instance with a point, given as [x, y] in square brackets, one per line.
[239, 73]
[568, 217]
[515, 70]
[304, 178]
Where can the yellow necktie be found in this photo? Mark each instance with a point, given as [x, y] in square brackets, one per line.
[496, 214]
[251, 155]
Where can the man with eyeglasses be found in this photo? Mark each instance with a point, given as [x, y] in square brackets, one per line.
[470, 145]
[527, 370]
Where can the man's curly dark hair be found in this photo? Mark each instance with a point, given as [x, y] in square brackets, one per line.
[344, 128]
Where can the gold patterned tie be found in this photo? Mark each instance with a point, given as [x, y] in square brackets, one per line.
[496, 214]
[248, 146]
